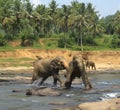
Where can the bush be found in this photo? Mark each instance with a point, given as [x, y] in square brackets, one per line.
[89, 40]
[115, 42]
[3, 40]
[65, 42]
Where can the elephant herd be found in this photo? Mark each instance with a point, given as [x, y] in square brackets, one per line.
[46, 67]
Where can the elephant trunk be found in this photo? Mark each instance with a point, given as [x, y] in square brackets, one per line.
[68, 81]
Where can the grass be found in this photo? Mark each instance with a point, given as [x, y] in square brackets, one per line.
[102, 42]
[14, 59]
[5, 62]
[6, 48]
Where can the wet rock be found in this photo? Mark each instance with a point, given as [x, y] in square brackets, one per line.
[63, 109]
[4, 80]
[17, 90]
[43, 92]
[72, 108]
[90, 91]
[115, 87]
[58, 103]
[109, 96]
[112, 104]
[104, 90]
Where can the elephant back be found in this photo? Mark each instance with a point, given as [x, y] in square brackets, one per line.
[42, 65]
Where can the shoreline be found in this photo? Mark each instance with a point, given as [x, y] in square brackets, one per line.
[24, 69]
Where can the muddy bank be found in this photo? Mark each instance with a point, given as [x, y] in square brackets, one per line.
[111, 104]
[105, 61]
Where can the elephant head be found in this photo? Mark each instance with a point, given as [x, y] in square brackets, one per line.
[58, 63]
[77, 69]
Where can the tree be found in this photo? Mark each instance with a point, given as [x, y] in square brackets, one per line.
[80, 21]
[3, 40]
[63, 22]
[26, 34]
[43, 19]
[117, 22]
[53, 13]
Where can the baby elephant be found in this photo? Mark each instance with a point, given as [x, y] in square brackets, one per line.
[90, 64]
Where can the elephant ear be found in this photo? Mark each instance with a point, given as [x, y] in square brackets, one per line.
[57, 64]
[54, 64]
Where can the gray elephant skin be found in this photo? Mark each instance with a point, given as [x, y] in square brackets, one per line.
[90, 64]
[47, 67]
[77, 69]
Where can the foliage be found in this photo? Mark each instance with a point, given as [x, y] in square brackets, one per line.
[74, 26]
[2, 38]
[16, 62]
[115, 42]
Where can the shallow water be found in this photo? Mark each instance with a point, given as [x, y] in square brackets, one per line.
[105, 86]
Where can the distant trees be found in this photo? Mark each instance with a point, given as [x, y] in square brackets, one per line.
[76, 24]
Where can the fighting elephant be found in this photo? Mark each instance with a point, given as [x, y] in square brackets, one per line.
[49, 67]
[90, 64]
[77, 69]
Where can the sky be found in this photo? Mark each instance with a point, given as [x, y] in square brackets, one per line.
[104, 7]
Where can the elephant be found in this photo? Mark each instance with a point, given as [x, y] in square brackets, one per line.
[90, 64]
[47, 67]
[39, 57]
[77, 69]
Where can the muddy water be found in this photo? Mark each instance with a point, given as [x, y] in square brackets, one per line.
[105, 86]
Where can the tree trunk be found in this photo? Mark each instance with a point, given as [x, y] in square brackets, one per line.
[81, 42]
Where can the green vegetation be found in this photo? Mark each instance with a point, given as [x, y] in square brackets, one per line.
[77, 26]
[16, 62]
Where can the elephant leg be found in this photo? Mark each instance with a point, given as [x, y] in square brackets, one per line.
[86, 80]
[43, 79]
[34, 77]
[55, 81]
[89, 67]
[68, 83]
[94, 68]
[57, 77]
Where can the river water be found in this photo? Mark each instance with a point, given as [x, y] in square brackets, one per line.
[106, 86]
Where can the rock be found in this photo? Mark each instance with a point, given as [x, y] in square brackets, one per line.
[112, 104]
[58, 103]
[4, 80]
[18, 90]
[43, 92]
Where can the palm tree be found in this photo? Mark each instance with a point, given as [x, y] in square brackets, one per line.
[80, 21]
[117, 22]
[53, 13]
[43, 19]
[63, 22]
[94, 25]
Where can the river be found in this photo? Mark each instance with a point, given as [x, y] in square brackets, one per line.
[106, 86]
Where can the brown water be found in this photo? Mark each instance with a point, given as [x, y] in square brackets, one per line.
[105, 86]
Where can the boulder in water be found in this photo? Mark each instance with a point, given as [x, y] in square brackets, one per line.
[111, 104]
[43, 92]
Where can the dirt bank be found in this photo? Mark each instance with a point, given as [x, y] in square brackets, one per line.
[113, 104]
[105, 60]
